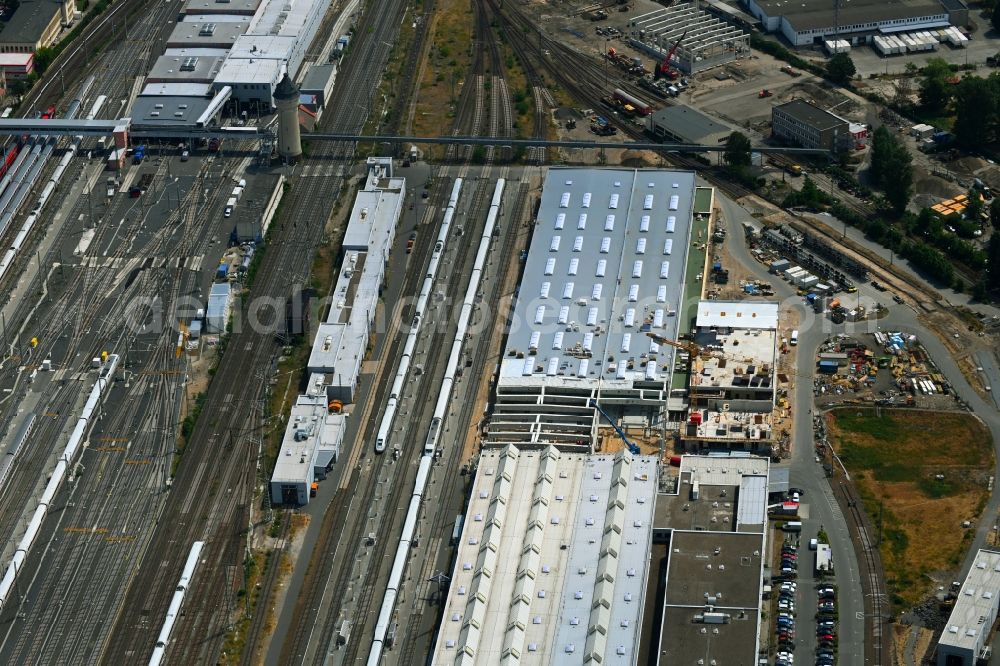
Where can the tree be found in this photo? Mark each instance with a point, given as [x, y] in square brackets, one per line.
[892, 169]
[840, 69]
[977, 103]
[993, 262]
[980, 292]
[43, 58]
[737, 154]
[995, 213]
[974, 206]
[935, 91]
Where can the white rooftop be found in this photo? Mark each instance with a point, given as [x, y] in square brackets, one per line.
[311, 432]
[340, 342]
[737, 314]
[552, 561]
[724, 470]
[606, 264]
[15, 59]
[977, 599]
[246, 71]
[176, 90]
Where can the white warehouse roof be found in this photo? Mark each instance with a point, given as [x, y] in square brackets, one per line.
[977, 599]
[606, 264]
[552, 560]
[737, 314]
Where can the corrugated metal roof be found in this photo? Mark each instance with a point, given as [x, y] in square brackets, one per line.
[601, 225]
[751, 507]
[541, 529]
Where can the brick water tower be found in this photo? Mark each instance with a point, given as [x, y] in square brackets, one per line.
[286, 98]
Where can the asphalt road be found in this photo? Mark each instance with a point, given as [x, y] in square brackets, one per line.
[808, 475]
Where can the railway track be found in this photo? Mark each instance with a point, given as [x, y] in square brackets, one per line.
[435, 353]
[452, 455]
[217, 460]
[489, 79]
[296, 646]
[877, 609]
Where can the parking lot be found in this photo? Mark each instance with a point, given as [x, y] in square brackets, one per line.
[805, 605]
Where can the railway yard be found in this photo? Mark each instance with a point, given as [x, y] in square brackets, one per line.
[276, 392]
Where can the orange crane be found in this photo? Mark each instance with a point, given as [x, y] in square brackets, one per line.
[664, 70]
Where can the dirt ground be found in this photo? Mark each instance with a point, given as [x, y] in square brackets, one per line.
[919, 472]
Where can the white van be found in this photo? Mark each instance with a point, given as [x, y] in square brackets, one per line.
[795, 337]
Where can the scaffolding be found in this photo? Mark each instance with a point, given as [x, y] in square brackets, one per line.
[708, 41]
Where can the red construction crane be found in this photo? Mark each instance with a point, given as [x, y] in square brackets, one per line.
[664, 69]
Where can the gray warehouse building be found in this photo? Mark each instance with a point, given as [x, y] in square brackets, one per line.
[965, 638]
[809, 126]
[683, 124]
[605, 266]
[812, 21]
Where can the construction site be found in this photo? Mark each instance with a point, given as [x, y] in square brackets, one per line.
[695, 40]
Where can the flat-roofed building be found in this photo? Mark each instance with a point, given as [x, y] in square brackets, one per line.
[35, 24]
[275, 42]
[183, 67]
[809, 126]
[552, 560]
[711, 530]
[316, 427]
[966, 635]
[813, 21]
[683, 124]
[207, 34]
[17, 65]
[606, 265]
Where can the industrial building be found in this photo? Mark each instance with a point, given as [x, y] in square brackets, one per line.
[707, 41]
[965, 638]
[732, 386]
[219, 52]
[605, 266]
[35, 24]
[318, 83]
[275, 42]
[315, 430]
[814, 21]
[552, 560]
[342, 338]
[711, 529]
[207, 34]
[809, 126]
[683, 124]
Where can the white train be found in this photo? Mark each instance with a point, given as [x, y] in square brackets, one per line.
[65, 462]
[385, 426]
[381, 639]
[20, 179]
[176, 603]
[25, 185]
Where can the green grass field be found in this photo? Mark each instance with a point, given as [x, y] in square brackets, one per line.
[918, 473]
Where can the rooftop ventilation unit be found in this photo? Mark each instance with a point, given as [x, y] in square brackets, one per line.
[207, 30]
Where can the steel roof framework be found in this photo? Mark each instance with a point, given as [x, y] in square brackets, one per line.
[708, 41]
